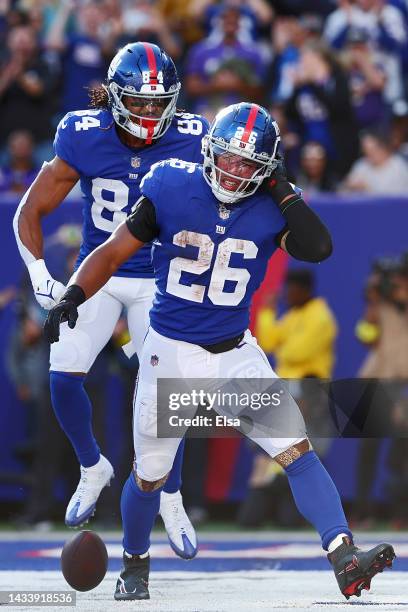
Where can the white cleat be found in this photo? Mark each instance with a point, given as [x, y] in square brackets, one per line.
[83, 502]
[180, 531]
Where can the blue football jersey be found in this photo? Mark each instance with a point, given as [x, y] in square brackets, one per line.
[208, 259]
[110, 172]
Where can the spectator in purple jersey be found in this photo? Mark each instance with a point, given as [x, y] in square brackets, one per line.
[367, 77]
[84, 53]
[320, 107]
[223, 72]
[19, 172]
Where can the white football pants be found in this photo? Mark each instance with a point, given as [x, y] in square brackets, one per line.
[78, 348]
[166, 358]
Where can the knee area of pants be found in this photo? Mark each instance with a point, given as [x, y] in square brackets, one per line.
[147, 486]
[153, 467]
[288, 456]
[69, 356]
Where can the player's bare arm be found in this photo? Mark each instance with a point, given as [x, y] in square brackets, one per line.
[52, 185]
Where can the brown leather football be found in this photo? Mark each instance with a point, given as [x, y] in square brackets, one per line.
[84, 561]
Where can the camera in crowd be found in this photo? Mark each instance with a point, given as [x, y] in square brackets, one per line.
[388, 280]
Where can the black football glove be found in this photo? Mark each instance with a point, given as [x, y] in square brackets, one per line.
[65, 310]
[280, 170]
[277, 184]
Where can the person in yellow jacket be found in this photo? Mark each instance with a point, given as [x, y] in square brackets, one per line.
[303, 339]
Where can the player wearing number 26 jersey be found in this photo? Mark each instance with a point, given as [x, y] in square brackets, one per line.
[108, 149]
[214, 230]
[206, 254]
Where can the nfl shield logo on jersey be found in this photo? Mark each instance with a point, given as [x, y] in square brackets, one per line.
[223, 212]
[135, 162]
[154, 360]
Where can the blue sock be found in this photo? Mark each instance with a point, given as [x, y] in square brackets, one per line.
[139, 510]
[173, 482]
[316, 497]
[73, 410]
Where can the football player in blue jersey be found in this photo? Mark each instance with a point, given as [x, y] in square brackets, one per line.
[214, 231]
[108, 149]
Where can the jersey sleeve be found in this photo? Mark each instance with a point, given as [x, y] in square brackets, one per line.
[198, 155]
[284, 226]
[164, 183]
[151, 183]
[142, 222]
[64, 142]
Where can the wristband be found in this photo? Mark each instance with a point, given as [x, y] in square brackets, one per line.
[74, 294]
[38, 271]
[280, 189]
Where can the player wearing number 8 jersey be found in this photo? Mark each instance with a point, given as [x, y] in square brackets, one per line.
[214, 231]
[108, 149]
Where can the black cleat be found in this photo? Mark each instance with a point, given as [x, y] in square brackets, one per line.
[355, 568]
[133, 582]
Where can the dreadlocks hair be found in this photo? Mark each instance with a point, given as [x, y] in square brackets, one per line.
[99, 97]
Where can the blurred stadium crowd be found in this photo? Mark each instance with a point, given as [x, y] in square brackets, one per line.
[334, 73]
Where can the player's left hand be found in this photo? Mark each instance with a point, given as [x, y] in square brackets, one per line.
[277, 184]
[66, 310]
[279, 173]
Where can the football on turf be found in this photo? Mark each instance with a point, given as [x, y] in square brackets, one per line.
[84, 561]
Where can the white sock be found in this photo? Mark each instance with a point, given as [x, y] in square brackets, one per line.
[128, 555]
[170, 496]
[338, 541]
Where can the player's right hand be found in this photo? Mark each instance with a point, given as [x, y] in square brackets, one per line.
[66, 310]
[47, 290]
